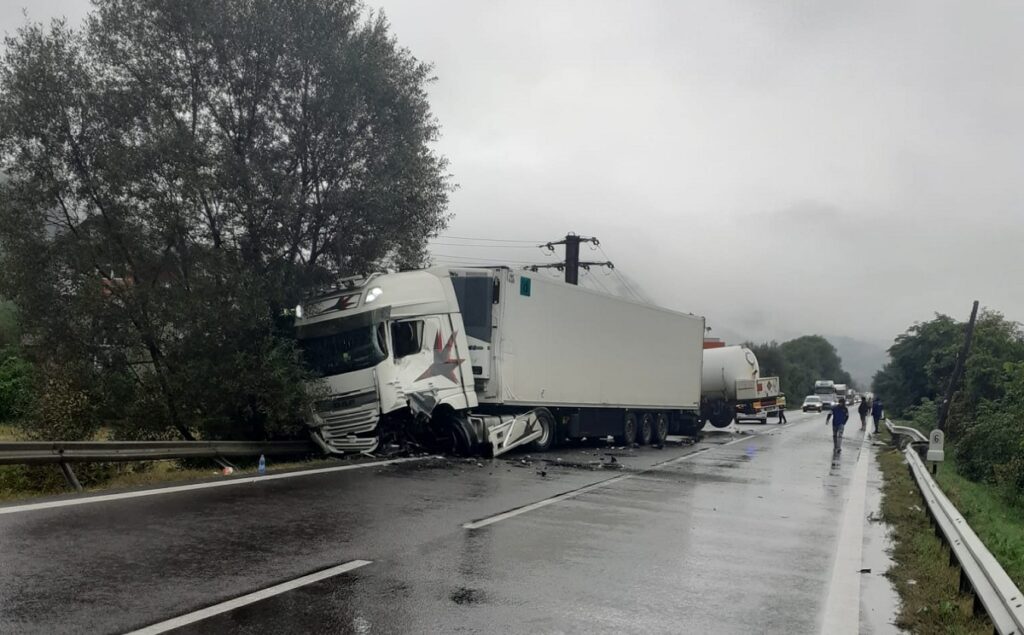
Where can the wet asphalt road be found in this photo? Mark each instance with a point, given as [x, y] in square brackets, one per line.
[736, 534]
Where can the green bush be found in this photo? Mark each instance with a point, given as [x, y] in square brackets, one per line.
[991, 447]
[15, 386]
[988, 447]
[923, 416]
[64, 411]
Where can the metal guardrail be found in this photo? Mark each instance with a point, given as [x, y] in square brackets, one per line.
[980, 572]
[63, 453]
[37, 452]
[915, 435]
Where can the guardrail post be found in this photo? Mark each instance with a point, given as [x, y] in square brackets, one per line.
[69, 476]
[977, 608]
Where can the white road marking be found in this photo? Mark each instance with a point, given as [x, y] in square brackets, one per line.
[512, 513]
[257, 596]
[87, 500]
[842, 606]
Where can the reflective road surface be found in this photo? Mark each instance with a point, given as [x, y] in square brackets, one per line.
[756, 529]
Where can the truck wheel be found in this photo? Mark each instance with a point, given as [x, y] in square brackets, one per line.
[720, 413]
[628, 436]
[546, 421]
[646, 430]
[660, 428]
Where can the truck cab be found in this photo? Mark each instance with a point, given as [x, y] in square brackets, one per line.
[378, 346]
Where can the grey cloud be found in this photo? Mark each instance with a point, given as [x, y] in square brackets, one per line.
[780, 167]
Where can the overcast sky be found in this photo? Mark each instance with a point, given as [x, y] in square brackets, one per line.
[842, 168]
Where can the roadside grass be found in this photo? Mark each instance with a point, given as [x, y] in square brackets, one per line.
[930, 601]
[996, 518]
[9, 432]
[995, 514]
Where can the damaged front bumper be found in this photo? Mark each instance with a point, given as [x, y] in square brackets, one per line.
[347, 423]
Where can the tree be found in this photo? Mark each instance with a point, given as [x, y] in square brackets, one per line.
[919, 360]
[179, 172]
[922, 360]
[800, 362]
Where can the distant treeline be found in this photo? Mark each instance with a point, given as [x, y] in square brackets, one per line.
[800, 362]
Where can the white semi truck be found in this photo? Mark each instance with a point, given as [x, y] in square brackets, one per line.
[482, 360]
[826, 390]
[732, 387]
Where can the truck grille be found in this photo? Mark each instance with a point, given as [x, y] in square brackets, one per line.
[350, 421]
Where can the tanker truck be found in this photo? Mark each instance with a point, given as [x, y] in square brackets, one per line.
[732, 387]
[480, 360]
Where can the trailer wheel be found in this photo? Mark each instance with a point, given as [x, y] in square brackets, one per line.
[548, 431]
[720, 413]
[645, 432]
[660, 428]
[628, 436]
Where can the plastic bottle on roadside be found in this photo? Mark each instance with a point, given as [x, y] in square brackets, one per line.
[262, 467]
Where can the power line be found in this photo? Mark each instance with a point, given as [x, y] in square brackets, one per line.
[490, 240]
[597, 280]
[456, 257]
[490, 246]
[618, 274]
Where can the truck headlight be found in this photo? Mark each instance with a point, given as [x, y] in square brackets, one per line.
[373, 294]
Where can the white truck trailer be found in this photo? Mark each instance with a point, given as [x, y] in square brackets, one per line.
[732, 387]
[482, 360]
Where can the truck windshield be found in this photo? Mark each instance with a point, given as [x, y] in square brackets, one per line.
[343, 346]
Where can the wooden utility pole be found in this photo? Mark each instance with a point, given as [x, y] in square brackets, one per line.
[571, 265]
[572, 259]
[958, 369]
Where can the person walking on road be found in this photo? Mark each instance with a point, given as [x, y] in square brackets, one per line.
[876, 412]
[839, 415]
[782, 415]
[862, 410]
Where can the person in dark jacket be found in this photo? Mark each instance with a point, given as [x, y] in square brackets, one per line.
[876, 412]
[839, 415]
[862, 410]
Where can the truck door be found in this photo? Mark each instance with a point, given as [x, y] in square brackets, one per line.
[429, 359]
[477, 294]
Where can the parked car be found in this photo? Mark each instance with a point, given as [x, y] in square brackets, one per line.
[811, 403]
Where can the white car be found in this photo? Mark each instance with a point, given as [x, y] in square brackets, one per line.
[812, 403]
[761, 417]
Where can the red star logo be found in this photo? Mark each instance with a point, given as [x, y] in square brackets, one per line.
[445, 362]
[346, 302]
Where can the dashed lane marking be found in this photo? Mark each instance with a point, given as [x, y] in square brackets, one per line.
[518, 511]
[251, 598]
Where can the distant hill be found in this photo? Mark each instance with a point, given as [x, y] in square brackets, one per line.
[860, 359]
